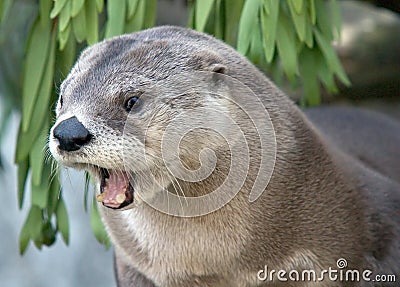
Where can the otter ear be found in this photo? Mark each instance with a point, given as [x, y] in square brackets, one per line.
[217, 68]
[207, 61]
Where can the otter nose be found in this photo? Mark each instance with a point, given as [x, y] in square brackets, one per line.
[71, 134]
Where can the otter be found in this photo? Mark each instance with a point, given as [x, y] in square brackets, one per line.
[330, 189]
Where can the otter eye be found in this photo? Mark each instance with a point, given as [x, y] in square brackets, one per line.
[130, 103]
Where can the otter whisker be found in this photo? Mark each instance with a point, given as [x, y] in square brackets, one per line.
[177, 191]
[165, 192]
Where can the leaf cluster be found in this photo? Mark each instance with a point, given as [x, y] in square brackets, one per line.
[291, 38]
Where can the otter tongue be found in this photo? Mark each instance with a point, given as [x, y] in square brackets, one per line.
[115, 187]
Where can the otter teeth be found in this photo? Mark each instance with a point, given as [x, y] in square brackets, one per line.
[120, 198]
[116, 190]
[100, 197]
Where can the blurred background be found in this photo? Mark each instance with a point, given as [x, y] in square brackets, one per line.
[370, 53]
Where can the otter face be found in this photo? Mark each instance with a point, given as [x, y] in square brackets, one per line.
[155, 117]
[110, 85]
[89, 136]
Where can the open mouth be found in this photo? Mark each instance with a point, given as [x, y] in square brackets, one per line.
[116, 189]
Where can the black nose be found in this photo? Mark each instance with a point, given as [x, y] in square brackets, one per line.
[71, 134]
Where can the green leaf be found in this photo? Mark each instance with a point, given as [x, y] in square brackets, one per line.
[267, 6]
[324, 73]
[324, 19]
[36, 158]
[219, 19]
[92, 25]
[286, 44]
[40, 193]
[76, 7]
[22, 150]
[45, 7]
[247, 24]
[309, 40]
[313, 15]
[42, 106]
[99, 5]
[115, 18]
[65, 15]
[256, 49]
[132, 6]
[37, 53]
[5, 6]
[276, 71]
[48, 234]
[66, 59]
[336, 18]
[202, 11]
[98, 227]
[191, 20]
[38, 241]
[308, 67]
[299, 19]
[58, 6]
[54, 194]
[23, 168]
[232, 14]
[150, 14]
[24, 238]
[32, 228]
[137, 22]
[79, 25]
[269, 26]
[331, 58]
[297, 5]
[62, 220]
[63, 36]
[24, 140]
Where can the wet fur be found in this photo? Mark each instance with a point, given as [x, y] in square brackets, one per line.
[334, 193]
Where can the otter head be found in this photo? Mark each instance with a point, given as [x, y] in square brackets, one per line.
[115, 106]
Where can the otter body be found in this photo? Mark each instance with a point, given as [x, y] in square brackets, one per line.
[334, 191]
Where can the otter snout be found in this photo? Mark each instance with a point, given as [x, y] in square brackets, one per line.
[71, 134]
